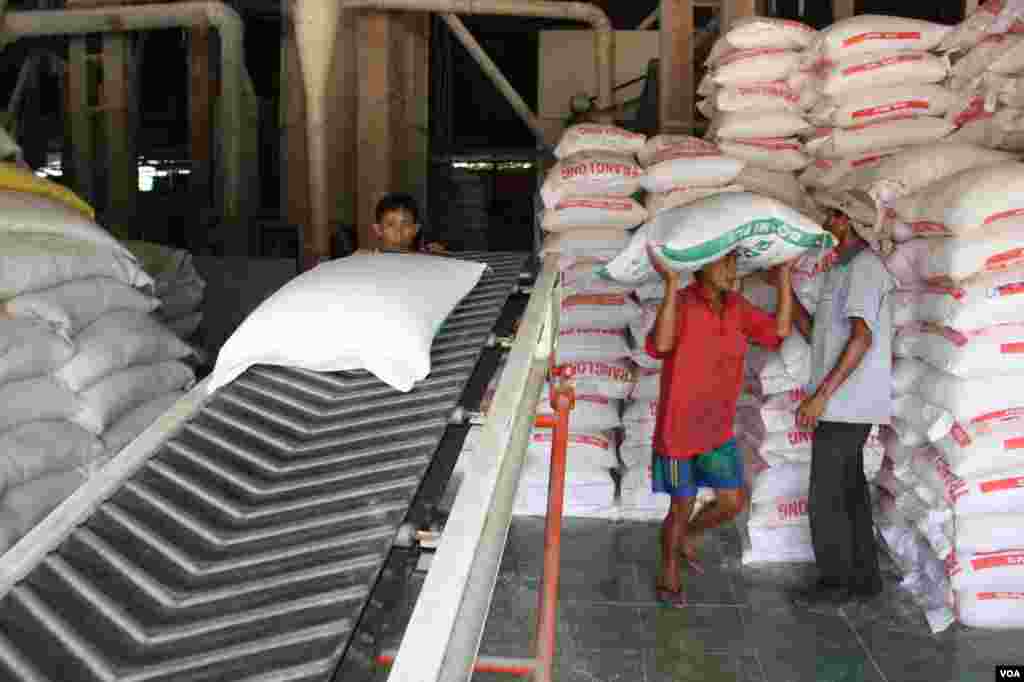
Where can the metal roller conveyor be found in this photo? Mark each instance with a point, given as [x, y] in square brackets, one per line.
[245, 542]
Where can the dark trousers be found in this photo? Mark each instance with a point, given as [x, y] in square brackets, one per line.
[839, 507]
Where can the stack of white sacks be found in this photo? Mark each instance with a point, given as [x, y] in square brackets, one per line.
[178, 285]
[952, 468]
[757, 95]
[84, 367]
[777, 452]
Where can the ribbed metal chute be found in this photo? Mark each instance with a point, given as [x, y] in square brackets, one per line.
[248, 545]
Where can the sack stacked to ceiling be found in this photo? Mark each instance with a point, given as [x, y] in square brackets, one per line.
[84, 364]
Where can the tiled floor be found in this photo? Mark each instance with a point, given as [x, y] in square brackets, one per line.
[740, 627]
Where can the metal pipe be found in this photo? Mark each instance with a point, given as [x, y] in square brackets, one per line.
[492, 71]
[547, 616]
[234, 80]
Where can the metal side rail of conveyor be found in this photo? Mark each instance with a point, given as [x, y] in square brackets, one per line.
[240, 537]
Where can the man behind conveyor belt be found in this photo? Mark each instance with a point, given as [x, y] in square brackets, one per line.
[850, 391]
[701, 333]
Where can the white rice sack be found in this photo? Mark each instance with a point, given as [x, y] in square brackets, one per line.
[23, 212]
[749, 33]
[182, 300]
[581, 344]
[991, 609]
[755, 66]
[875, 33]
[582, 278]
[637, 450]
[592, 412]
[105, 402]
[982, 57]
[610, 311]
[610, 379]
[856, 107]
[72, 306]
[880, 135]
[933, 471]
[999, 570]
[969, 399]
[785, 481]
[29, 348]
[906, 373]
[770, 96]
[969, 354]
[837, 175]
[31, 261]
[913, 169]
[594, 212]
[654, 290]
[783, 187]
[386, 310]
[586, 452]
[35, 400]
[26, 505]
[745, 124]
[854, 205]
[591, 137]
[987, 533]
[779, 544]
[117, 340]
[577, 243]
[591, 174]
[990, 17]
[638, 495]
[186, 325]
[35, 449]
[1008, 61]
[876, 70]
[681, 196]
[992, 493]
[690, 163]
[983, 448]
[964, 202]
[763, 231]
[135, 421]
[647, 385]
[777, 154]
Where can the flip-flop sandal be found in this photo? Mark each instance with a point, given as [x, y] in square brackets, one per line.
[673, 600]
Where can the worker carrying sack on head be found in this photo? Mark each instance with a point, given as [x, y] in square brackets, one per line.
[701, 333]
[850, 392]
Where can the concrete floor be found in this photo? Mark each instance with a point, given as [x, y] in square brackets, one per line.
[740, 627]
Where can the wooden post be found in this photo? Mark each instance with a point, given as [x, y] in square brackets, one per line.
[411, 40]
[843, 9]
[200, 109]
[78, 118]
[675, 75]
[375, 139]
[731, 10]
[295, 199]
[122, 168]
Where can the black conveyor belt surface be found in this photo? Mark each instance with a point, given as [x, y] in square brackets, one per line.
[248, 545]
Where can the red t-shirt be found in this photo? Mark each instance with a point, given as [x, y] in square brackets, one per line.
[702, 376]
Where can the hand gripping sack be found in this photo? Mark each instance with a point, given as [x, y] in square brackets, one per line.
[591, 174]
[593, 212]
[868, 33]
[783, 154]
[965, 202]
[691, 163]
[877, 136]
[764, 232]
[592, 137]
[984, 448]
[856, 107]
[883, 70]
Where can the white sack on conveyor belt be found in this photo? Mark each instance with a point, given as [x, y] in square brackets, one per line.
[117, 340]
[128, 427]
[72, 306]
[29, 348]
[33, 400]
[623, 213]
[106, 401]
[26, 505]
[36, 449]
[31, 261]
[593, 137]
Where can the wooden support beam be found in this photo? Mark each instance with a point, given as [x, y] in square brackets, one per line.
[675, 74]
[122, 168]
[200, 100]
[295, 199]
[731, 10]
[374, 120]
[843, 9]
[78, 119]
[410, 101]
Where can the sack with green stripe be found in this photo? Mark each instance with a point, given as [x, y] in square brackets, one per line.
[764, 232]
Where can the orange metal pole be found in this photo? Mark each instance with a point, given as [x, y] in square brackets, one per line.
[484, 664]
[562, 401]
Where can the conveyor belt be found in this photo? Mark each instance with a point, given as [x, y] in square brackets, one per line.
[247, 546]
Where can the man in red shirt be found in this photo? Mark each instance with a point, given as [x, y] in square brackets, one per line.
[701, 332]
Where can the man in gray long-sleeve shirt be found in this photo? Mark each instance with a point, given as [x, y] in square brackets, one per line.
[850, 391]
